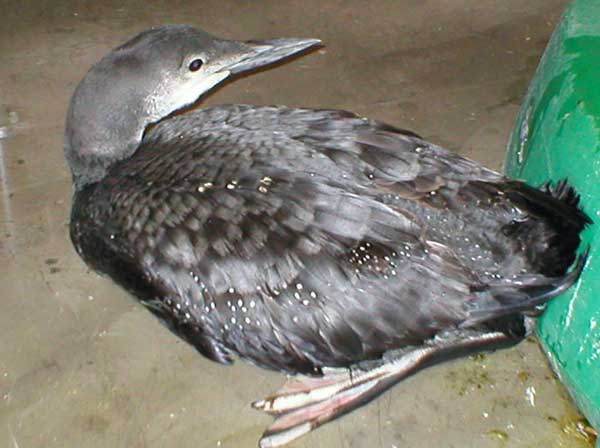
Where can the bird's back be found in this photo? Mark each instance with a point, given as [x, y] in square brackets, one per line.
[303, 238]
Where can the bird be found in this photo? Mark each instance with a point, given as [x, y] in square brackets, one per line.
[342, 251]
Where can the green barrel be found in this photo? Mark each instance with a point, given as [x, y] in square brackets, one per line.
[557, 136]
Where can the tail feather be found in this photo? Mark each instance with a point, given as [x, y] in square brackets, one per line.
[551, 235]
[524, 294]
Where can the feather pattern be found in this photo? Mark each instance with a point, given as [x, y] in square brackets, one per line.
[299, 239]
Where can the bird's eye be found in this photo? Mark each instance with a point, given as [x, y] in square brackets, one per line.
[195, 65]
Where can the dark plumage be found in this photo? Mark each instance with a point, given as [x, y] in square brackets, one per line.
[302, 240]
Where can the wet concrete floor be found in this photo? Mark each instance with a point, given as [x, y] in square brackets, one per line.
[81, 365]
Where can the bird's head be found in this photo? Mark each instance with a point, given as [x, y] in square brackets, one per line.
[152, 75]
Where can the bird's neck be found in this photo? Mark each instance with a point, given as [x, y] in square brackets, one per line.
[95, 140]
[91, 164]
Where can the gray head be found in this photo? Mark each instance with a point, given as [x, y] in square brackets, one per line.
[144, 80]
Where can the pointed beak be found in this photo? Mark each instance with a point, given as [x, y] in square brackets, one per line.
[234, 57]
[259, 53]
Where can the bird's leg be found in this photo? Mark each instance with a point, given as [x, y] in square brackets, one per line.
[305, 403]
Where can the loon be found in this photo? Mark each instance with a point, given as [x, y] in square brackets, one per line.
[342, 251]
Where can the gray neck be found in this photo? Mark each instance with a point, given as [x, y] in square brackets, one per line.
[91, 164]
[98, 134]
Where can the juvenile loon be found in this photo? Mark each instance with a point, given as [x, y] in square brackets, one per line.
[343, 251]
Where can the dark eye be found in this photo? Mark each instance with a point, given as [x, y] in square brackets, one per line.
[196, 64]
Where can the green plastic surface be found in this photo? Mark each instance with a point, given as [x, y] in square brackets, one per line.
[556, 136]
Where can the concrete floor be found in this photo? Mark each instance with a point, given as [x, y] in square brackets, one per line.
[81, 365]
